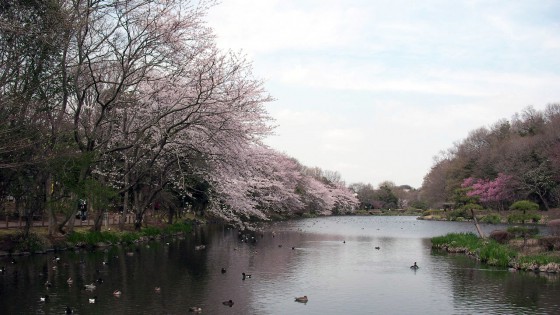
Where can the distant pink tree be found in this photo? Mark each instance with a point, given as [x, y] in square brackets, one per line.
[345, 199]
[490, 192]
[257, 183]
[324, 193]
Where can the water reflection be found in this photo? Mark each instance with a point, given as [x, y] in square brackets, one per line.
[334, 261]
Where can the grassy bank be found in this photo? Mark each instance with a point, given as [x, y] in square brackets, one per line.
[495, 254]
[38, 242]
[491, 216]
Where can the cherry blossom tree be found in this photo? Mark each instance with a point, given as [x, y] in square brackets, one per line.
[142, 103]
[491, 192]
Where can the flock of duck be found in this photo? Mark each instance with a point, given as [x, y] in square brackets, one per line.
[196, 309]
[91, 287]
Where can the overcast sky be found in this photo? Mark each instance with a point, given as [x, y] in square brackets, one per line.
[375, 89]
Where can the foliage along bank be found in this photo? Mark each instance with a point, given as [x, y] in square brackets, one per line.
[35, 243]
[493, 253]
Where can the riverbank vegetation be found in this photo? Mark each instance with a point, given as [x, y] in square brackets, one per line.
[14, 242]
[529, 257]
[486, 216]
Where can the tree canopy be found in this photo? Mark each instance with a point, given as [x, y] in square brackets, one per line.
[511, 160]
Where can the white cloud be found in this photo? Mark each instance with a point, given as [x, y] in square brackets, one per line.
[268, 26]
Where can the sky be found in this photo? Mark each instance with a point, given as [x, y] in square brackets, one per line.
[376, 89]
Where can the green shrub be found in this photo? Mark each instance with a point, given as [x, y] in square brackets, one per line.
[92, 237]
[30, 243]
[491, 218]
[419, 205]
[178, 227]
[520, 217]
[75, 237]
[495, 254]
[129, 237]
[150, 231]
[524, 205]
[462, 213]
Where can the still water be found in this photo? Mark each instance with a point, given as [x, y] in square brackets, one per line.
[334, 261]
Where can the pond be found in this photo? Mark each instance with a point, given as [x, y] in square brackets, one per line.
[344, 265]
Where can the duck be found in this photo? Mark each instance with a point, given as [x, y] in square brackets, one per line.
[117, 293]
[228, 303]
[224, 270]
[415, 266]
[48, 284]
[2, 270]
[92, 300]
[245, 276]
[44, 298]
[200, 247]
[302, 299]
[99, 280]
[89, 287]
[377, 247]
[157, 289]
[70, 281]
[69, 310]
[195, 309]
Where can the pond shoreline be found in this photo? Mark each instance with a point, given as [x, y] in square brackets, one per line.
[36, 244]
[493, 253]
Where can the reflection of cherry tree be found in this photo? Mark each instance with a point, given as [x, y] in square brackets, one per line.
[491, 192]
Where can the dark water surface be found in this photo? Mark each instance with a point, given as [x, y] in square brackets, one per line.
[334, 262]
